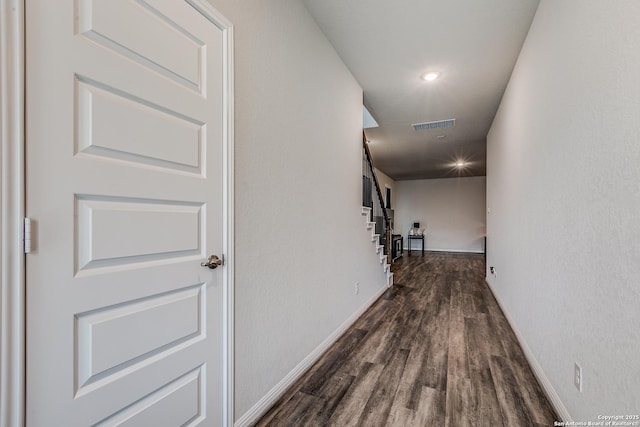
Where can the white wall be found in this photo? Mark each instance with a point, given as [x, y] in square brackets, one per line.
[301, 242]
[563, 186]
[451, 209]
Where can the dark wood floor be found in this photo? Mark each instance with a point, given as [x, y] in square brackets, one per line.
[434, 351]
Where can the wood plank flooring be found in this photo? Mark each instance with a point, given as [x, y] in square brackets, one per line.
[436, 350]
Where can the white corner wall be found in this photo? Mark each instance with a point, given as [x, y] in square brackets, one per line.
[563, 186]
[301, 242]
[451, 209]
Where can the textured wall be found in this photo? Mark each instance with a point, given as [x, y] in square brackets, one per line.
[563, 186]
[301, 243]
[452, 210]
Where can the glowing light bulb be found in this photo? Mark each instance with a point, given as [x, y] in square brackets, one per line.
[431, 76]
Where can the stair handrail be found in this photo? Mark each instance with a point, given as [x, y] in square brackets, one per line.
[387, 220]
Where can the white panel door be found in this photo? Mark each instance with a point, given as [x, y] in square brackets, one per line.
[127, 107]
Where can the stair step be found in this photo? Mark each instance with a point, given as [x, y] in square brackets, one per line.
[375, 238]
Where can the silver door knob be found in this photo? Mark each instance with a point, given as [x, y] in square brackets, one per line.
[213, 262]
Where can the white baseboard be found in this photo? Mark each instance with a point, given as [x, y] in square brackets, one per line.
[264, 404]
[535, 366]
[471, 251]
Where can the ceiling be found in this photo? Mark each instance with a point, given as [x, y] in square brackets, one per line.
[388, 45]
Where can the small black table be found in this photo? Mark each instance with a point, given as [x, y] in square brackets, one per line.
[415, 237]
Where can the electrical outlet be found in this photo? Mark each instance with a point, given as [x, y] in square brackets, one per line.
[577, 376]
[357, 288]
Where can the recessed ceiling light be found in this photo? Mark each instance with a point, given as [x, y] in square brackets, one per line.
[460, 164]
[430, 76]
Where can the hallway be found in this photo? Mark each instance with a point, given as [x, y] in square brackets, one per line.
[435, 351]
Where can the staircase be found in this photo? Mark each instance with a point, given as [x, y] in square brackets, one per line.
[373, 209]
[375, 240]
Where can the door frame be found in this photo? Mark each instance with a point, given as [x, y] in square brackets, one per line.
[12, 210]
[12, 295]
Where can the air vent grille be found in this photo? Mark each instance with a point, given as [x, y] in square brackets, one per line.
[434, 125]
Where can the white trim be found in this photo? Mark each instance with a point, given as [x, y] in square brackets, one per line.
[229, 235]
[466, 251]
[228, 199]
[12, 303]
[535, 365]
[268, 400]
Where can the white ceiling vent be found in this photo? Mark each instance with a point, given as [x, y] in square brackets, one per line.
[434, 125]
